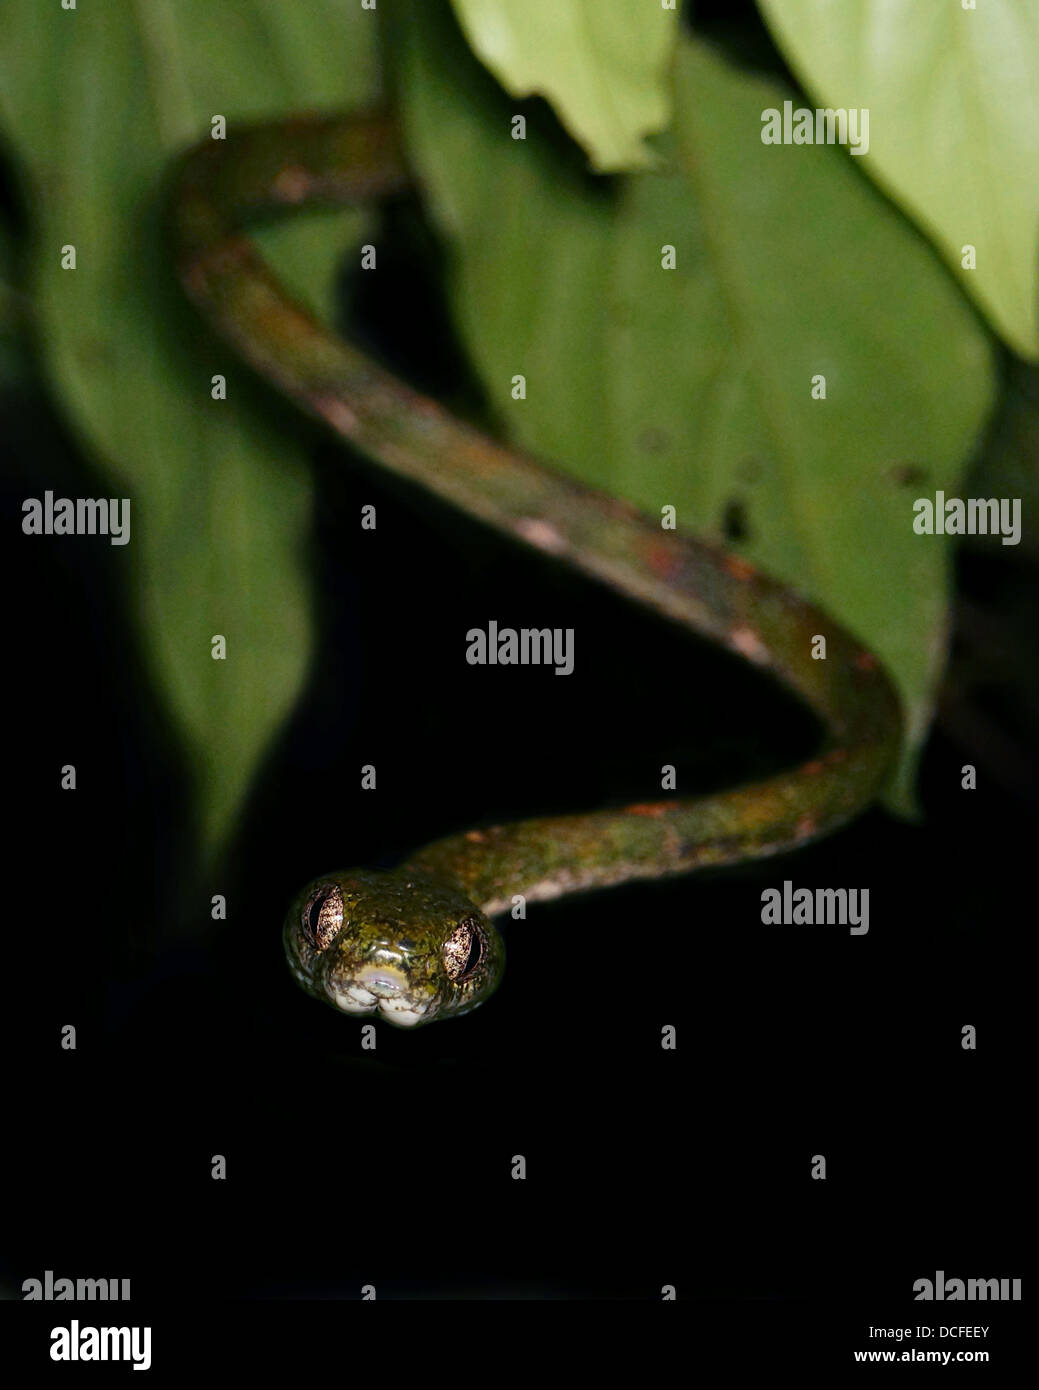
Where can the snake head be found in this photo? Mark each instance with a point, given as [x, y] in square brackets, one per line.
[402, 945]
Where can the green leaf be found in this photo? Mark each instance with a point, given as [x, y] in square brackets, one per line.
[94, 102]
[953, 101]
[603, 64]
[693, 386]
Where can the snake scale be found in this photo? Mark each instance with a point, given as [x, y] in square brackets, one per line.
[419, 943]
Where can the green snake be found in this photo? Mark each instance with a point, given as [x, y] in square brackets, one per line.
[419, 943]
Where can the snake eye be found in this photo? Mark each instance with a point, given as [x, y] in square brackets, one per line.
[463, 950]
[323, 915]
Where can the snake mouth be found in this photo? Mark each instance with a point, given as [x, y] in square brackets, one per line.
[382, 990]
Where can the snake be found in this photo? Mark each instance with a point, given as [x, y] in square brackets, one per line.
[421, 942]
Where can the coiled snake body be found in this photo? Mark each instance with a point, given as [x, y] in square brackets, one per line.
[418, 943]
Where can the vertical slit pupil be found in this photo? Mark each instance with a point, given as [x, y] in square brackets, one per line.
[314, 916]
[472, 960]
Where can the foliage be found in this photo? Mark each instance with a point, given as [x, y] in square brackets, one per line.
[690, 386]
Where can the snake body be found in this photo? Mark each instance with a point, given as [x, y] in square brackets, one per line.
[419, 943]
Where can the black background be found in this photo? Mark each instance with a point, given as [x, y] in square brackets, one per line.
[344, 1168]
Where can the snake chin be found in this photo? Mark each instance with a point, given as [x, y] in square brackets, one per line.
[403, 1013]
[381, 989]
[400, 1015]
